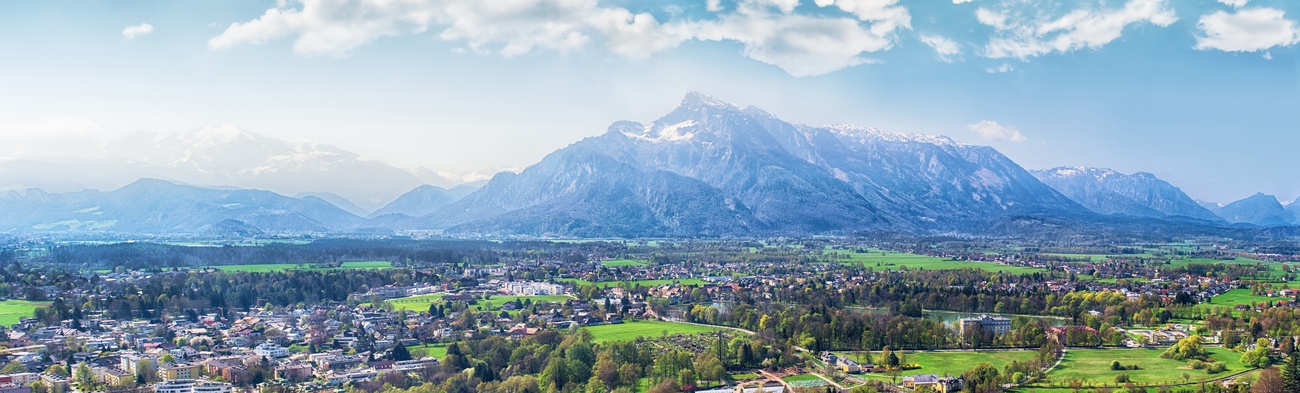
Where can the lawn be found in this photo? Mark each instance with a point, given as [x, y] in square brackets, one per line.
[801, 378]
[624, 262]
[628, 331]
[277, 267]
[1093, 366]
[13, 310]
[1241, 296]
[436, 350]
[414, 303]
[952, 363]
[633, 283]
[890, 260]
[421, 303]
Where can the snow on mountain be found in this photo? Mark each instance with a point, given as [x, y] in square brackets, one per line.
[1107, 191]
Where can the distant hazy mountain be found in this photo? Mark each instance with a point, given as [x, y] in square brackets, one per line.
[158, 207]
[423, 200]
[1109, 192]
[1259, 209]
[336, 200]
[221, 155]
[711, 168]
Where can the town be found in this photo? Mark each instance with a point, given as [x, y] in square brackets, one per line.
[699, 316]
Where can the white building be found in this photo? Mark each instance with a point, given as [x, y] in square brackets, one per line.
[192, 386]
[271, 350]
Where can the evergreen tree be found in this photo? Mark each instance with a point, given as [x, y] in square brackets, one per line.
[400, 353]
[1291, 372]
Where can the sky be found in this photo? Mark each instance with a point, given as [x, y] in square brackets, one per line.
[1203, 93]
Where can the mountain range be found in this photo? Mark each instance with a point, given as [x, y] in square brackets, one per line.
[707, 168]
[222, 156]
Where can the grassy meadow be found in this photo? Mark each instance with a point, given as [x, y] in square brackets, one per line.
[631, 330]
[890, 260]
[13, 310]
[279, 267]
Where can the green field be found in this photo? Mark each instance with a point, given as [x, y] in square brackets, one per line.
[1093, 366]
[951, 363]
[644, 283]
[421, 303]
[890, 260]
[436, 350]
[631, 330]
[1241, 296]
[801, 377]
[414, 303]
[624, 262]
[13, 310]
[278, 267]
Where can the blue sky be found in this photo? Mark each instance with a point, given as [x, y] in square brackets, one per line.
[1205, 94]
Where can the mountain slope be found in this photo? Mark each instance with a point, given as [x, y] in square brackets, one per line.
[420, 201]
[158, 207]
[743, 171]
[1259, 209]
[1109, 192]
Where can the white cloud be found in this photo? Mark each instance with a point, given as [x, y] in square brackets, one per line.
[769, 30]
[991, 130]
[713, 5]
[1023, 36]
[1235, 3]
[997, 20]
[1248, 30]
[961, 1]
[60, 136]
[130, 32]
[1002, 69]
[945, 47]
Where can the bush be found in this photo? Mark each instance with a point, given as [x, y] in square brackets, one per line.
[1196, 364]
[1214, 368]
[1115, 366]
[1122, 378]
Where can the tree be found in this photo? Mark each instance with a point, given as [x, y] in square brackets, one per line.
[1291, 373]
[400, 353]
[85, 378]
[1270, 381]
[167, 358]
[13, 367]
[1192, 347]
[58, 369]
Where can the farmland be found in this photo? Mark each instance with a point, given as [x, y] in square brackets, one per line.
[624, 262]
[890, 260]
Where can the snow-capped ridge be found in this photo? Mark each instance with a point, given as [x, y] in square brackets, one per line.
[863, 134]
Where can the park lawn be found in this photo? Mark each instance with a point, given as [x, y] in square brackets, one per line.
[744, 376]
[628, 331]
[494, 304]
[1093, 366]
[13, 310]
[624, 262]
[278, 267]
[801, 377]
[951, 363]
[890, 260]
[438, 351]
[633, 283]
